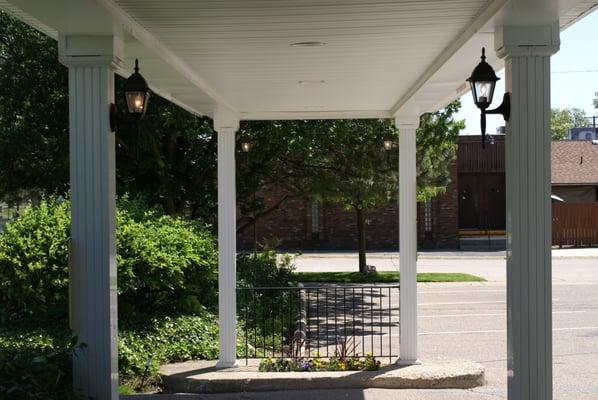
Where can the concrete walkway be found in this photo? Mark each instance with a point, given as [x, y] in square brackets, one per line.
[569, 265]
[591, 252]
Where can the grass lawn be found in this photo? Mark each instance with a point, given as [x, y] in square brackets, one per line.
[382, 277]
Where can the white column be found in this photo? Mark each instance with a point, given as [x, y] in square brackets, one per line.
[408, 238]
[227, 124]
[529, 292]
[91, 62]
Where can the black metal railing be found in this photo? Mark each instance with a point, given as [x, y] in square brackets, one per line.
[318, 321]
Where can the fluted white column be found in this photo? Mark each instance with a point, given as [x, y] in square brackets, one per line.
[408, 238]
[529, 284]
[227, 125]
[93, 289]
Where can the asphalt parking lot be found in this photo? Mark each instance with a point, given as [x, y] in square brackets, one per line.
[469, 321]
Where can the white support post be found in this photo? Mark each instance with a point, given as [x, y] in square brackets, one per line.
[408, 238]
[529, 284]
[227, 124]
[91, 62]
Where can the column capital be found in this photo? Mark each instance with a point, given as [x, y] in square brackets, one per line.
[514, 41]
[407, 121]
[85, 50]
[225, 120]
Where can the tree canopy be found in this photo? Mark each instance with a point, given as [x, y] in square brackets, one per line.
[33, 113]
[170, 160]
[344, 161]
[563, 119]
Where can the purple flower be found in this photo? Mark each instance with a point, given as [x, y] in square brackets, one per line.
[305, 366]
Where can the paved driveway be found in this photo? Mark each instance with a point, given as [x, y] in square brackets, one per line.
[567, 266]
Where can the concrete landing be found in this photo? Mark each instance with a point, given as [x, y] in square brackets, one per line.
[202, 377]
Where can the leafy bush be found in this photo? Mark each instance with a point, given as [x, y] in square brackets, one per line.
[34, 261]
[265, 269]
[261, 311]
[36, 364]
[164, 263]
[166, 339]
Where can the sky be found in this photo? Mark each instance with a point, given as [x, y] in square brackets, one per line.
[574, 77]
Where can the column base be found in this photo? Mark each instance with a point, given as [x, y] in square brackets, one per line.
[406, 363]
[221, 364]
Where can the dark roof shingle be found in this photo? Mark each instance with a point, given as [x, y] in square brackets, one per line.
[574, 162]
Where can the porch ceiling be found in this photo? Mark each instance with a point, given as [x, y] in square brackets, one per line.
[377, 58]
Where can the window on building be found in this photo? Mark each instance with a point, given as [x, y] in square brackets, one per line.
[428, 216]
[315, 220]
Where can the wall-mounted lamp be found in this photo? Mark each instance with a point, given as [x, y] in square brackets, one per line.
[387, 143]
[137, 94]
[483, 81]
[245, 145]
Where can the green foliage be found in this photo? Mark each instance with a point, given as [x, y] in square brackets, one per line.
[166, 339]
[34, 261]
[172, 163]
[33, 113]
[265, 269]
[261, 310]
[436, 149]
[36, 364]
[164, 263]
[343, 162]
[563, 119]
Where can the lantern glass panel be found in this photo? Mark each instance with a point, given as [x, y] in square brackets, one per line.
[387, 144]
[136, 102]
[484, 90]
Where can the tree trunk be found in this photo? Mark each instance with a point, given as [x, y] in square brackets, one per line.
[361, 234]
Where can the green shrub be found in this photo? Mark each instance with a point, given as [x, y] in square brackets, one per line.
[38, 360]
[164, 263]
[265, 269]
[36, 364]
[166, 339]
[33, 261]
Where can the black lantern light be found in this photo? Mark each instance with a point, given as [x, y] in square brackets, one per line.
[245, 145]
[137, 94]
[483, 81]
[387, 142]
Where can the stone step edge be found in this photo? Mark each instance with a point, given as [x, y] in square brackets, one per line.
[464, 375]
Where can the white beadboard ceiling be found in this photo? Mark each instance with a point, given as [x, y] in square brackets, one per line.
[379, 57]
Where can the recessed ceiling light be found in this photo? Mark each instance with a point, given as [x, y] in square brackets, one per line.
[308, 44]
[312, 82]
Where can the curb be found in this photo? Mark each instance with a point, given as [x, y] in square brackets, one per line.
[180, 378]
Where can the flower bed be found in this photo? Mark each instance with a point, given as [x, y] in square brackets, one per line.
[368, 363]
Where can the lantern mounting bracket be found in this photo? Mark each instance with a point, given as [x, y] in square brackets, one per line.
[504, 109]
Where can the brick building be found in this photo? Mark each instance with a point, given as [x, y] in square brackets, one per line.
[310, 225]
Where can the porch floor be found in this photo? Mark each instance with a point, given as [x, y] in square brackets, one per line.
[203, 377]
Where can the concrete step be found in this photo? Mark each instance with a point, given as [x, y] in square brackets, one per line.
[483, 243]
[203, 377]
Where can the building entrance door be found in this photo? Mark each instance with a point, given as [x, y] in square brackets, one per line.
[481, 202]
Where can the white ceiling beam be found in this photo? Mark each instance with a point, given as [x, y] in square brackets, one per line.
[485, 16]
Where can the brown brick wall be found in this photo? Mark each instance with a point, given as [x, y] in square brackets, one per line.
[291, 224]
